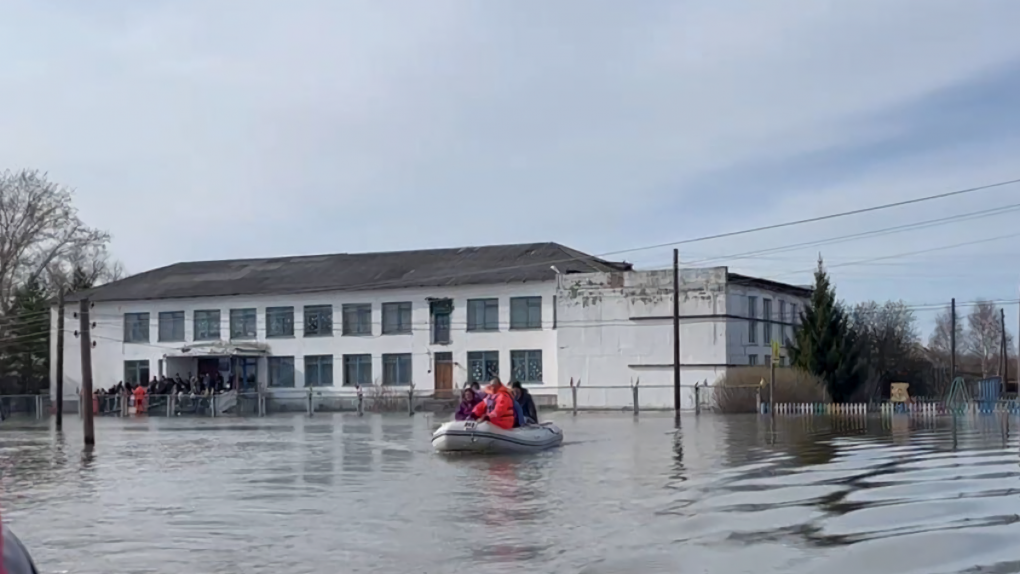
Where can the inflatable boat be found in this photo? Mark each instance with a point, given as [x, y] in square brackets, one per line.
[471, 436]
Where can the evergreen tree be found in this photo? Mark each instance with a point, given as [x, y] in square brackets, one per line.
[80, 280]
[826, 345]
[27, 340]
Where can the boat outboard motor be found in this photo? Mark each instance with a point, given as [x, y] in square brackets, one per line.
[15, 555]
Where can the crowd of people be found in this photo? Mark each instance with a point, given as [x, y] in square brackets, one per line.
[191, 387]
[502, 406]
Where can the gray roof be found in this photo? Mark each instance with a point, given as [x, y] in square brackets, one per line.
[493, 264]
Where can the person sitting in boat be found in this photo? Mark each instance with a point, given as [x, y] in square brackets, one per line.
[468, 401]
[526, 401]
[498, 406]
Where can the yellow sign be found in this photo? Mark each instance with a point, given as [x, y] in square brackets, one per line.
[775, 352]
[898, 392]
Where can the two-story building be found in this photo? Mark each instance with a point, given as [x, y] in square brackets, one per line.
[436, 318]
[539, 313]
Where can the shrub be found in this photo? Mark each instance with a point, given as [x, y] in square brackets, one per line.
[737, 391]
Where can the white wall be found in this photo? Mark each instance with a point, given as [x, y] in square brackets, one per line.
[617, 328]
[740, 345]
[110, 352]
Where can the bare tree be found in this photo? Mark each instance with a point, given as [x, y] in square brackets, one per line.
[940, 344]
[888, 344]
[85, 267]
[38, 226]
[984, 336]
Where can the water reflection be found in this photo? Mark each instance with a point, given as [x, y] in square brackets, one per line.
[366, 494]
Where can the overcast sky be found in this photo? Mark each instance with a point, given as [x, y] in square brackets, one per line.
[222, 129]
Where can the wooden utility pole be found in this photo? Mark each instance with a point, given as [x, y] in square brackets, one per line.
[952, 340]
[60, 360]
[676, 332]
[86, 373]
[1004, 354]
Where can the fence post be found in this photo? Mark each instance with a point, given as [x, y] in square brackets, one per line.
[410, 400]
[212, 405]
[38, 407]
[361, 401]
[634, 389]
[697, 397]
[311, 407]
[170, 405]
[573, 394]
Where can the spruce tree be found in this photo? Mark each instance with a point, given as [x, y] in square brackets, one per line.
[826, 345]
[26, 329]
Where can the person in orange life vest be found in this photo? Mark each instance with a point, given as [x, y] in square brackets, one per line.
[498, 406]
[139, 393]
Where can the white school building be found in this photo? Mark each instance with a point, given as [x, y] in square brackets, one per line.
[542, 313]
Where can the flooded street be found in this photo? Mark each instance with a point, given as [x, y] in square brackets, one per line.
[340, 493]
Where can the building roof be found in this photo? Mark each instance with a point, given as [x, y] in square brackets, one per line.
[769, 285]
[492, 264]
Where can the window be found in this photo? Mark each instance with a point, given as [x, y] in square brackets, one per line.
[243, 324]
[525, 312]
[752, 360]
[207, 325]
[752, 319]
[782, 311]
[318, 320]
[136, 372]
[766, 315]
[794, 319]
[396, 369]
[483, 315]
[526, 366]
[319, 370]
[768, 360]
[357, 319]
[171, 326]
[281, 371]
[396, 318]
[782, 323]
[136, 328]
[440, 311]
[279, 322]
[482, 366]
[782, 361]
[358, 370]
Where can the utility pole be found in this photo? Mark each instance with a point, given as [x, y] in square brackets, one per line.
[952, 340]
[60, 360]
[676, 332]
[86, 373]
[1005, 360]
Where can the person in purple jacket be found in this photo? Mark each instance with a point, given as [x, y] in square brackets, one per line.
[468, 400]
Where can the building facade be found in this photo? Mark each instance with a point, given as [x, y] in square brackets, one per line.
[542, 314]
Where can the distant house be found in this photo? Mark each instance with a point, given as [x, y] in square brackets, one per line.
[540, 313]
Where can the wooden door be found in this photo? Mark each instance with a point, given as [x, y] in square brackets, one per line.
[443, 375]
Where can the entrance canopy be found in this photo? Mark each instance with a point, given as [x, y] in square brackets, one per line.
[221, 349]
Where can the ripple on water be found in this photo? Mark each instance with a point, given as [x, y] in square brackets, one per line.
[726, 495]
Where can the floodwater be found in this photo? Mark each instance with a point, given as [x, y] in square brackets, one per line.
[726, 495]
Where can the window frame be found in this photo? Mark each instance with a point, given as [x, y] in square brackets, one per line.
[766, 314]
[752, 319]
[349, 360]
[319, 312]
[319, 363]
[136, 364]
[482, 306]
[529, 309]
[752, 360]
[525, 355]
[400, 363]
[358, 312]
[273, 368]
[286, 313]
[483, 357]
[215, 316]
[173, 316]
[399, 308]
[137, 319]
[241, 316]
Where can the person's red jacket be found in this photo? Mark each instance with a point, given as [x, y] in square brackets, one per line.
[502, 412]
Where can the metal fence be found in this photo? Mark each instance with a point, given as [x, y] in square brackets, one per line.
[24, 406]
